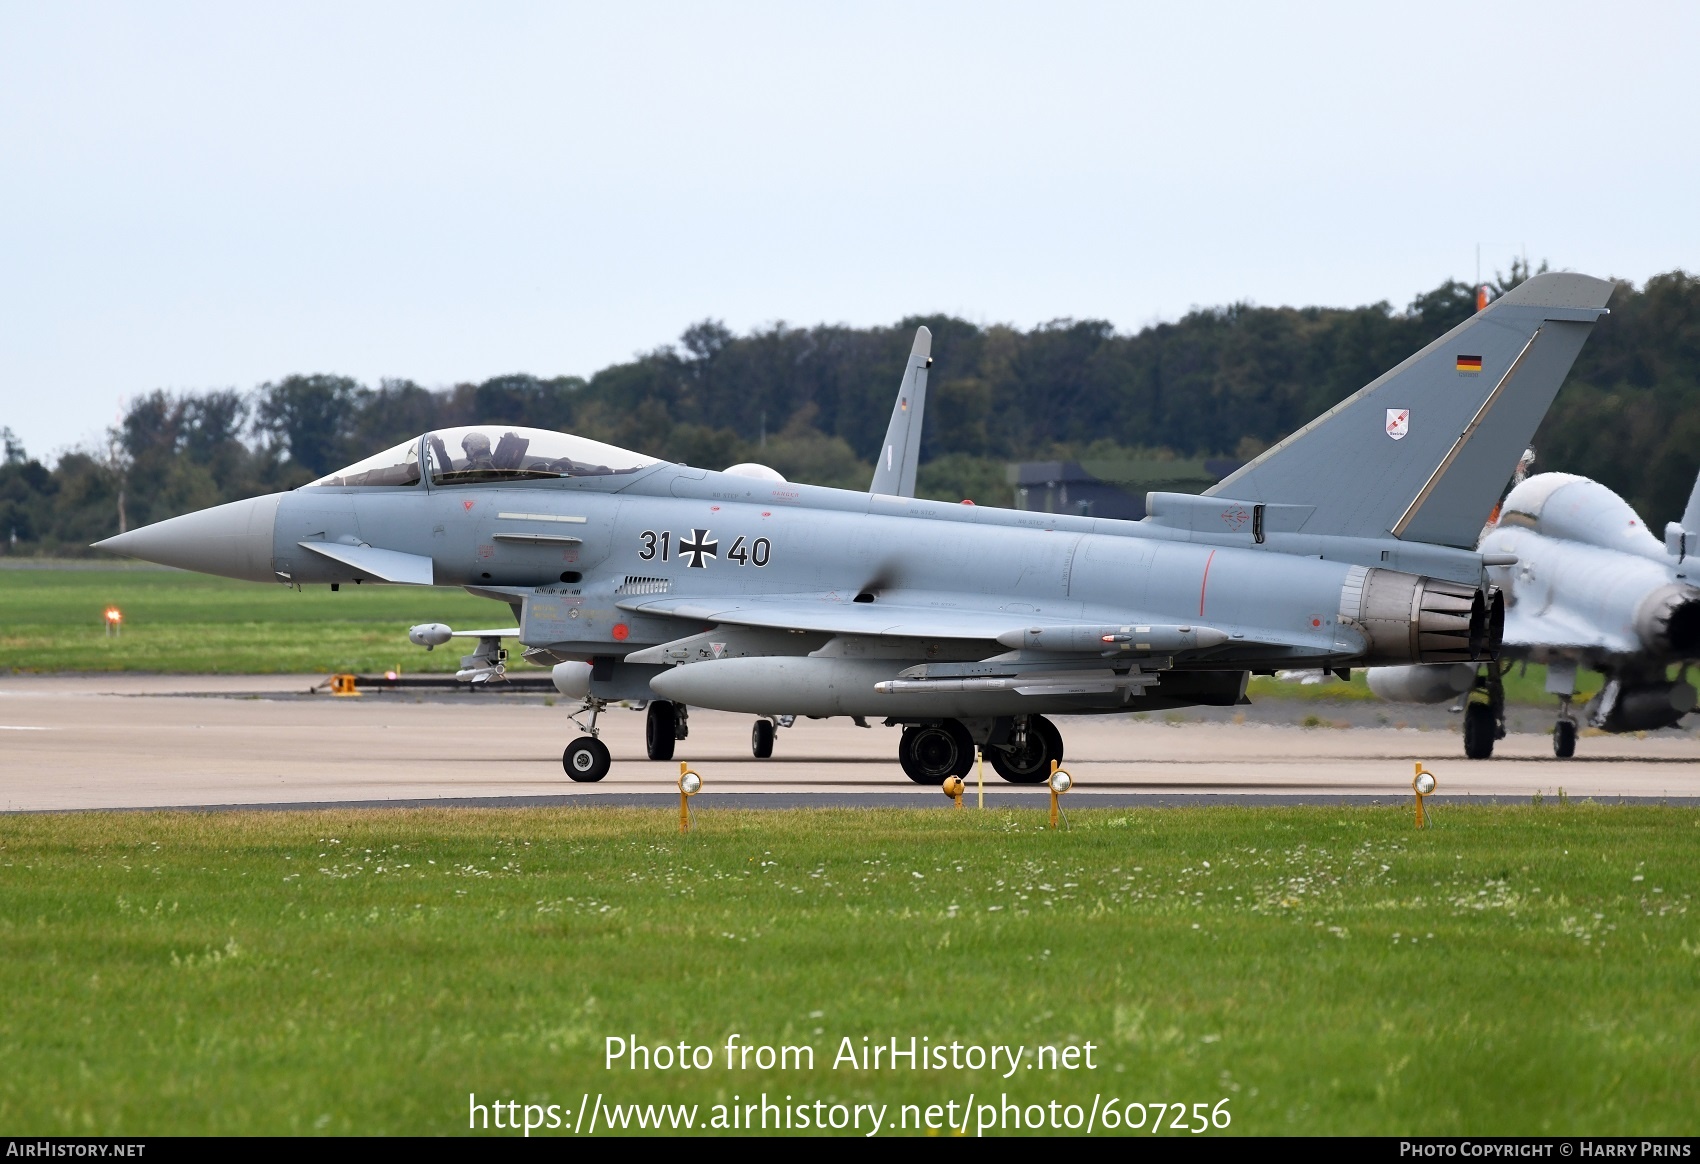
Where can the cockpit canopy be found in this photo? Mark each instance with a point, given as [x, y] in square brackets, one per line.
[489, 452]
[1562, 505]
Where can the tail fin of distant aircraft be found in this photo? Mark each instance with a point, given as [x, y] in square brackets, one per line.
[1691, 515]
[1682, 538]
[1423, 452]
[901, 452]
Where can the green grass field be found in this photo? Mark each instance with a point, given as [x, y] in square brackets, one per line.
[51, 620]
[1524, 970]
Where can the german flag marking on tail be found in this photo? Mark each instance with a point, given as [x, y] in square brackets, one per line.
[1469, 363]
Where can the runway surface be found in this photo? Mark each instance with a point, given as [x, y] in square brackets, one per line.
[122, 741]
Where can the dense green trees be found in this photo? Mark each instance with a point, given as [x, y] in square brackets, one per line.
[813, 403]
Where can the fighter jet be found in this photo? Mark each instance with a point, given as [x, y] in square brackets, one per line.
[1350, 543]
[1586, 585]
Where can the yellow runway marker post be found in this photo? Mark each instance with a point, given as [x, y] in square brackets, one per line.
[953, 786]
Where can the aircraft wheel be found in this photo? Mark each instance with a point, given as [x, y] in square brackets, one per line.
[1564, 739]
[761, 739]
[1030, 764]
[1479, 731]
[930, 753]
[587, 760]
[660, 729]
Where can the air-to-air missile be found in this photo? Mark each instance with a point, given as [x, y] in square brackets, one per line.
[1350, 543]
[1586, 585]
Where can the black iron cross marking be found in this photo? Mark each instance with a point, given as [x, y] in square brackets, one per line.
[699, 548]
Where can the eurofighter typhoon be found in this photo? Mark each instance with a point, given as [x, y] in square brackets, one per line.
[1350, 543]
[1587, 585]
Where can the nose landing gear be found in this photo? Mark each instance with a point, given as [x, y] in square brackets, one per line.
[1561, 681]
[586, 759]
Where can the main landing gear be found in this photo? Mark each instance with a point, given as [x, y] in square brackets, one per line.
[763, 731]
[664, 725]
[1020, 748]
[586, 759]
[1484, 712]
[1026, 759]
[931, 753]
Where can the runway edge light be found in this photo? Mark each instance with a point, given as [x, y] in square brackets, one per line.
[689, 785]
[1059, 782]
[953, 786]
[1422, 783]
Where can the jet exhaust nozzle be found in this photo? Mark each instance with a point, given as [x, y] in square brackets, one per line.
[1668, 621]
[1412, 619]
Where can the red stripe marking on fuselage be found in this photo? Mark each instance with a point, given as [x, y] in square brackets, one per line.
[1205, 583]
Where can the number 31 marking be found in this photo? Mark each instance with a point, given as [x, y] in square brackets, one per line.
[757, 553]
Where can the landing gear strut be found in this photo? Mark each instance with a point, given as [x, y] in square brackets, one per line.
[586, 759]
[1484, 719]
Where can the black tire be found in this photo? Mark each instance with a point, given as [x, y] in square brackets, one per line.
[1032, 763]
[1564, 739]
[660, 729]
[586, 760]
[761, 739]
[931, 753]
[1480, 730]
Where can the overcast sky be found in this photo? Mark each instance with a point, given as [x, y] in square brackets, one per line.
[196, 196]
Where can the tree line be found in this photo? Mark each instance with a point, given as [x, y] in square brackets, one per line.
[813, 403]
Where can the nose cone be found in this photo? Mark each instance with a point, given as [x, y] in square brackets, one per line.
[234, 540]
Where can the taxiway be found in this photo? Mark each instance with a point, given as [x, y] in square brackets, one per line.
[124, 741]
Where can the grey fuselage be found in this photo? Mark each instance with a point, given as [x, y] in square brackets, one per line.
[966, 572]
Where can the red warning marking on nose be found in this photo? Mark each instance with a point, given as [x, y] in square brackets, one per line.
[466, 505]
[621, 631]
[1316, 622]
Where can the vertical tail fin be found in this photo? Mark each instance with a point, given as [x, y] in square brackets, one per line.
[1423, 451]
[1682, 538]
[901, 452]
[1691, 515]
